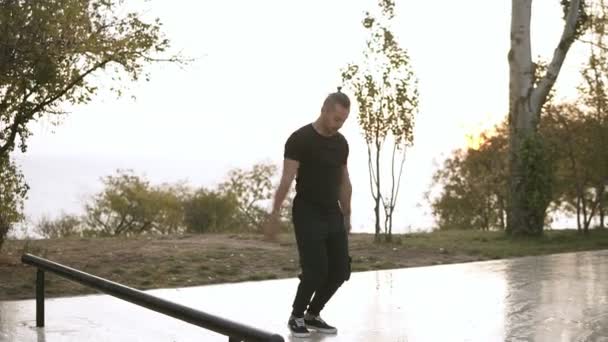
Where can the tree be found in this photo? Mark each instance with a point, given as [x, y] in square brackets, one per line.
[211, 211]
[529, 186]
[594, 97]
[474, 185]
[474, 181]
[50, 49]
[579, 157]
[13, 191]
[387, 95]
[64, 226]
[582, 129]
[129, 205]
[252, 188]
[560, 129]
[454, 208]
[169, 202]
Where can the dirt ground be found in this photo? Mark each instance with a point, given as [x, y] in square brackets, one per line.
[176, 261]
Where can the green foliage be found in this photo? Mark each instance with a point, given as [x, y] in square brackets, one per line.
[385, 87]
[211, 211]
[253, 190]
[386, 91]
[50, 50]
[474, 186]
[13, 191]
[576, 134]
[64, 226]
[594, 96]
[581, 130]
[566, 172]
[128, 205]
[537, 179]
[169, 201]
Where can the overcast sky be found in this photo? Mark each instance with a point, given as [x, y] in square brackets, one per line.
[261, 70]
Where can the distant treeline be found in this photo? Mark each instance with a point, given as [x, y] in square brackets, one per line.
[473, 182]
[130, 205]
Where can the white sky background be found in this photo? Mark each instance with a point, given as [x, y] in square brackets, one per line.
[262, 70]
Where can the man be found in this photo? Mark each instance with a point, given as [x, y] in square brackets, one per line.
[317, 154]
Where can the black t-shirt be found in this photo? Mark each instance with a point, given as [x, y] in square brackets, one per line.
[321, 161]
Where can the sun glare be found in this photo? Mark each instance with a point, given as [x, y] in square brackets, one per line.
[474, 141]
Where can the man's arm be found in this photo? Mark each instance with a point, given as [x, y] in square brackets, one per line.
[290, 168]
[346, 191]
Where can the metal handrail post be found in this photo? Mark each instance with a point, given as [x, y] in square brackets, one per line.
[39, 298]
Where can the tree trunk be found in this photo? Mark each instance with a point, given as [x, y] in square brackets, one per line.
[584, 209]
[525, 104]
[378, 191]
[501, 209]
[602, 213]
[388, 215]
[594, 206]
[578, 213]
[503, 213]
[387, 235]
[521, 125]
[389, 208]
[601, 204]
[4, 228]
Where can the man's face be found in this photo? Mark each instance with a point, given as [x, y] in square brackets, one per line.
[336, 117]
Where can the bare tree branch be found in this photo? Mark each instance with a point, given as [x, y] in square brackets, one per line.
[372, 176]
[399, 177]
[544, 86]
[23, 118]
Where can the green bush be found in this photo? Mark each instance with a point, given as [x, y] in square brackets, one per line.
[64, 226]
[129, 205]
[211, 211]
[13, 191]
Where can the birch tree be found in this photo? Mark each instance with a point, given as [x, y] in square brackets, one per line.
[386, 91]
[529, 180]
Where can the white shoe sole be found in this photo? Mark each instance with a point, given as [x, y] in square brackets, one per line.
[324, 331]
[298, 335]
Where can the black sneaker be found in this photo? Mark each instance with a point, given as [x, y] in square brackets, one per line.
[297, 326]
[318, 324]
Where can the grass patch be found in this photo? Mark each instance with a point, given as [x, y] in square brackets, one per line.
[498, 245]
[261, 276]
[227, 271]
[192, 260]
[143, 272]
[119, 271]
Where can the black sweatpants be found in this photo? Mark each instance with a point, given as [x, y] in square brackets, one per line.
[324, 259]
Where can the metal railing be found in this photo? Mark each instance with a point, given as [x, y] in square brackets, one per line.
[235, 331]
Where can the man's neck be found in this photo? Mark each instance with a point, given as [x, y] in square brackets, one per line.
[318, 126]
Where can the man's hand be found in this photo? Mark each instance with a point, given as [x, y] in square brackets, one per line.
[347, 224]
[271, 227]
